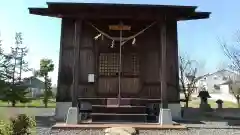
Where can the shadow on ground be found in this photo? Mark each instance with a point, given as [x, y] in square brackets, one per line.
[45, 121]
[185, 121]
[225, 116]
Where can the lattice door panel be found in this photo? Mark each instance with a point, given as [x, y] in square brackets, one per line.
[109, 64]
[130, 65]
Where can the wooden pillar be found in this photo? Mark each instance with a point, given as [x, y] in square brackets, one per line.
[163, 52]
[76, 42]
[59, 95]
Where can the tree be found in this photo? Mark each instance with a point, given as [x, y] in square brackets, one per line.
[232, 51]
[235, 91]
[46, 66]
[188, 77]
[2, 60]
[12, 68]
[3, 63]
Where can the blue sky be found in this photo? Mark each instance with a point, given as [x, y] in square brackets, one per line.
[197, 38]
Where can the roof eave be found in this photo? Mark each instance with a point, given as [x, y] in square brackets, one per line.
[48, 12]
[196, 16]
[42, 12]
[51, 4]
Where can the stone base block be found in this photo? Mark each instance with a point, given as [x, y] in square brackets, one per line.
[205, 108]
[165, 117]
[62, 110]
[72, 116]
[175, 110]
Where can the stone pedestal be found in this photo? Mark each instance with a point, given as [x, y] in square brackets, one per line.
[165, 117]
[205, 107]
[219, 106]
[72, 116]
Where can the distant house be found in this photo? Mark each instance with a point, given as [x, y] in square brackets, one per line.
[230, 86]
[214, 82]
[35, 86]
[199, 85]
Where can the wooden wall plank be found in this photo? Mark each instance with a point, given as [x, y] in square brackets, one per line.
[87, 64]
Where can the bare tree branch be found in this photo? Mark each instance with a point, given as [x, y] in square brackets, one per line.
[188, 76]
[233, 54]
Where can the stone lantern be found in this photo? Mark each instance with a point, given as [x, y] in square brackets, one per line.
[204, 95]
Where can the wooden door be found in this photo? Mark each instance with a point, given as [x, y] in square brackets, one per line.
[108, 82]
[108, 72]
[130, 82]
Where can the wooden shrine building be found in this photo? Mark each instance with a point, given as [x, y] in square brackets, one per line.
[118, 59]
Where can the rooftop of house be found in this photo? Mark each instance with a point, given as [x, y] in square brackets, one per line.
[33, 82]
[222, 71]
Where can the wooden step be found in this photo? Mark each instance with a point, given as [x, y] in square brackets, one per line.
[118, 117]
[152, 118]
[123, 101]
[119, 109]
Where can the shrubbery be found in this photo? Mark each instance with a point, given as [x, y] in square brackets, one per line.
[21, 125]
[5, 129]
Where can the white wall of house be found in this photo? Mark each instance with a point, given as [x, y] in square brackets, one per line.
[234, 87]
[35, 92]
[224, 89]
[218, 78]
[228, 88]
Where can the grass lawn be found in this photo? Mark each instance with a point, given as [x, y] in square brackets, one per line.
[33, 108]
[226, 104]
[8, 112]
[38, 103]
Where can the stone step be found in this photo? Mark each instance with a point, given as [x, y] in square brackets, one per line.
[118, 117]
[119, 109]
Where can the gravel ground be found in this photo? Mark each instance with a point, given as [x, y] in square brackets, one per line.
[191, 131]
[44, 124]
[205, 127]
[194, 129]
